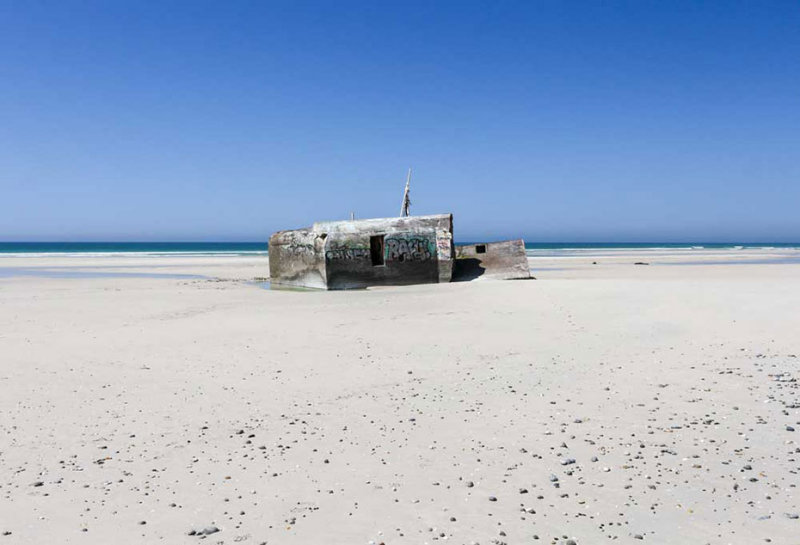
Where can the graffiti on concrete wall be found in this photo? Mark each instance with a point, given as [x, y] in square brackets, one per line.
[444, 244]
[347, 254]
[409, 248]
[298, 244]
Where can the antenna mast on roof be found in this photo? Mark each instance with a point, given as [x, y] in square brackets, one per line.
[404, 210]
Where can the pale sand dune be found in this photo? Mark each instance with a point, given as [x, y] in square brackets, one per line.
[135, 410]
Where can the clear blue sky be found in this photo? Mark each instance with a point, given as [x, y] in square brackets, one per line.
[559, 121]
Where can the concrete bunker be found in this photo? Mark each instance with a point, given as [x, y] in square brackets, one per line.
[383, 251]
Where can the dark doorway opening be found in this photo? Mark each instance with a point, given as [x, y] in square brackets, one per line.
[480, 248]
[376, 250]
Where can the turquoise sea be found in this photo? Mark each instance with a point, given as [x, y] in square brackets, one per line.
[256, 248]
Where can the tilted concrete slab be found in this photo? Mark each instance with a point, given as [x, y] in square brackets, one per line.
[504, 260]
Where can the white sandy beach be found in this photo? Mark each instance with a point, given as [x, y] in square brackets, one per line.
[600, 403]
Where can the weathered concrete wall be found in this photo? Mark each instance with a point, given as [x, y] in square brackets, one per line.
[503, 260]
[445, 251]
[296, 259]
[408, 258]
[417, 250]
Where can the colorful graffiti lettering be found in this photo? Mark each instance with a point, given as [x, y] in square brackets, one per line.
[409, 249]
[349, 254]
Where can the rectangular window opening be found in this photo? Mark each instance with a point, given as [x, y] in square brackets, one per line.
[376, 250]
[480, 248]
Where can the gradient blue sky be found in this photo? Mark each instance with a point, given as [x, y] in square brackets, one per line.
[559, 121]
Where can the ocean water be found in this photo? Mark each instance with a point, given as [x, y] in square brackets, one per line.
[541, 249]
[133, 248]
